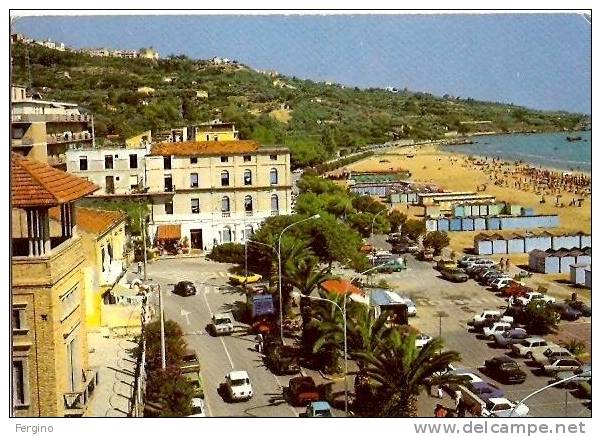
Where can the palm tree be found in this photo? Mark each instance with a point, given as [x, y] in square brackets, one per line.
[327, 329]
[401, 371]
[304, 273]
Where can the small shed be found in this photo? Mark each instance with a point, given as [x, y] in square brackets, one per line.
[566, 258]
[543, 261]
[577, 273]
[541, 241]
[432, 211]
[455, 224]
[467, 224]
[482, 210]
[565, 241]
[493, 223]
[515, 244]
[459, 211]
[479, 223]
[495, 208]
[588, 277]
[583, 256]
[483, 245]
[585, 240]
[527, 212]
[443, 224]
[499, 244]
[514, 209]
[431, 225]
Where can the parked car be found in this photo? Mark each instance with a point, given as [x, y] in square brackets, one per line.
[198, 408]
[496, 328]
[565, 311]
[515, 289]
[184, 289]
[454, 275]
[501, 407]
[507, 338]
[302, 391]
[399, 248]
[319, 409]
[492, 278]
[488, 317]
[485, 390]
[425, 255]
[480, 263]
[241, 279]
[505, 369]
[531, 345]
[467, 259]
[582, 374]
[443, 264]
[421, 340]
[502, 282]
[579, 305]
[534, 295]
[222, 324]
[190, 362]
[561, 365]
[551, 354]
[486, 273]
[238, 386]
[395, 237]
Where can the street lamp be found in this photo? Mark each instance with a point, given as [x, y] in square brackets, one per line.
[373, 222]
[313, 217]
[561, 381]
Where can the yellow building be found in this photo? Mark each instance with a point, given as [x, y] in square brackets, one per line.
[214, 192]
[215, 131]
[50, 373]
[139, 140]
[103, 246]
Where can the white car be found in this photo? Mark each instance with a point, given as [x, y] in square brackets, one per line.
[479, 263]
[222, 324]
[531, 345]
[237, 385]
[486, 315]
[421, 340]
[471, 377]
[496, 328]
[500, 283]
[501, 407]
[529, 297]
[198, 408]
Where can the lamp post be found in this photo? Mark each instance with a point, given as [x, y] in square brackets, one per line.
[561, 381]
[373, 221]
[313, 217]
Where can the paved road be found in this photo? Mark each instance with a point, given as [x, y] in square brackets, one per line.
[218, 355]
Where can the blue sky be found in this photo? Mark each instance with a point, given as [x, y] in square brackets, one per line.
[540, 61]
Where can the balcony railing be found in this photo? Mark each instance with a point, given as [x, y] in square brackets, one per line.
[29, 118]
[249, 213]
[169, 188]
[76, 403]
[225, 213]
[68, 137]
[16, 142]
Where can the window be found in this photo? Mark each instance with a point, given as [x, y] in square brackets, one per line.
[20, 384]
[224, 159]
[169, 207]
[248, 177]
[273, 157]
[168, 185]
[227, 235]
[273, 176]
[108, 162]
[225, 178]
[248, 205]
[194, 180]
[167, 162]
[194, 160]
[69, 302]
[248, 232]
[247, 158]
[195, 206]
[83, 163]
[275, 204]
[18, 319]
[133, 161]
[225, 204]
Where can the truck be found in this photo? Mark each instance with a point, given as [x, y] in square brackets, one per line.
[260, 309]
[385, 300]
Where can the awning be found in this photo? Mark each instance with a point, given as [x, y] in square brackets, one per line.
[169, 232]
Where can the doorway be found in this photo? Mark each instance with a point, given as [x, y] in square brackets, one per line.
[110, 184]
[196, 238]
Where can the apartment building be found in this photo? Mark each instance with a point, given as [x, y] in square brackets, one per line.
[44, 130]
[50, 372]
[216, 131]
[116, 170]
[215, 192]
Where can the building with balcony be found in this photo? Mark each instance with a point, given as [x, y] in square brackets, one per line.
[117, 170]
[50, 371]
[45, 130]
[215, 192]
[103, 242]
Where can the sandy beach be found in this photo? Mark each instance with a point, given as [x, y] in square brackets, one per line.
[453, 171]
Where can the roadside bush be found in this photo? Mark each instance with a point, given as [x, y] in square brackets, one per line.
[168, 393]
[539, 318]
[228, 253]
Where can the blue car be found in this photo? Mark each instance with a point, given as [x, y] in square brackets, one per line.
[485, 391]
[319, 409]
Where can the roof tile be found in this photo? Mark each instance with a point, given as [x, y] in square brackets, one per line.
[209, 148]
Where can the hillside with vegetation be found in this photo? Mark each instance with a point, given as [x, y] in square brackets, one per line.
[314, 119]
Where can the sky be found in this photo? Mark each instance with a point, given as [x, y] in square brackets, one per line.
[537, 60]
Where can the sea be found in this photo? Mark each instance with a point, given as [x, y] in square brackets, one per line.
[550, 150]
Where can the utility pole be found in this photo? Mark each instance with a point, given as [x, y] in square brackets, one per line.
[163, 360]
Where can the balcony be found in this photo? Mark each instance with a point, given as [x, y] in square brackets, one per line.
[249, 213]
[21, 142]
[68, 137]
[77, 402]
[225, 213]
[169, 189]
[66, 118]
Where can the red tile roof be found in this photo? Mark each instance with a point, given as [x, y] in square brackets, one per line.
[169, 232]
[340, 286]
[209, 148]
[36, 184]
[91, 220]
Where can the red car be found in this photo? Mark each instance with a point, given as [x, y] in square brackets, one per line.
[303, 391]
